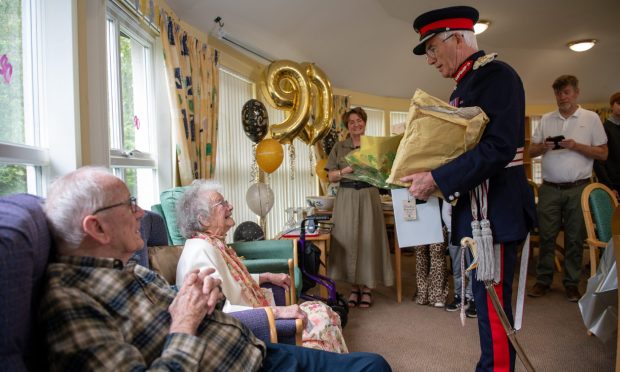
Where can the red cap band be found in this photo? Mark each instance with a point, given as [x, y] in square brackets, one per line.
[452, 23]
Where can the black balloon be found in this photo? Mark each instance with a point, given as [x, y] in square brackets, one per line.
[329, 141]
[255, 120]
[248, 231]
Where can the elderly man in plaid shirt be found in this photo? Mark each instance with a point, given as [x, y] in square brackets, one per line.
[100, 313]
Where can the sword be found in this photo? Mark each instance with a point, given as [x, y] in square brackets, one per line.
[525, 255]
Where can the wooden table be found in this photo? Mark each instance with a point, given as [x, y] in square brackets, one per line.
[322, 243]
[389, 221]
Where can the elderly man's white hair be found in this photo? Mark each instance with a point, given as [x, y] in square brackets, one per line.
[70, 199]
[468, 36]
[193, 204]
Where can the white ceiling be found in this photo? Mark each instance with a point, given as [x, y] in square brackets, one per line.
[366, 45]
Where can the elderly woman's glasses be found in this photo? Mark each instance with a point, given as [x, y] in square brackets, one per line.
[132, 202]
[431, 52]
[223, 203]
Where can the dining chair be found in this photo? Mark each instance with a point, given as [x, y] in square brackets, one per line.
[598, 203]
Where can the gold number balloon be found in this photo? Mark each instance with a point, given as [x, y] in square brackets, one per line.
[286, 87]
[317, 129]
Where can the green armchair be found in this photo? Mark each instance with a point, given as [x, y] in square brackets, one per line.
[277, 256]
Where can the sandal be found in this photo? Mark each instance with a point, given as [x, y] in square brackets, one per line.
[363, 304]
[354, 298]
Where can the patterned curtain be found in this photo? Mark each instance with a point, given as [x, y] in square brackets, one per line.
[148, 10]
[341, 105]
[193, 64]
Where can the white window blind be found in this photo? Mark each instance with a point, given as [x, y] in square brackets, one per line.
[234, 148]
[289, 193]
[374, 124]
[235, 157]
[397, 121]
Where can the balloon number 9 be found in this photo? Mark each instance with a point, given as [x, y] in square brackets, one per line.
[288, 86]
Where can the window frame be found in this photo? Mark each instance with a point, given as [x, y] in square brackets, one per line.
[126, 24]
[51, 100]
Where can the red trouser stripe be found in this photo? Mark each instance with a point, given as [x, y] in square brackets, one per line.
[501, 354]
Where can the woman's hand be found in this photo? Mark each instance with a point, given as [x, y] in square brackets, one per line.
[281, 280]
[346, 170]
[290, 312]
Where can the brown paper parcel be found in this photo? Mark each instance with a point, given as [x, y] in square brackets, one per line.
[436, 133]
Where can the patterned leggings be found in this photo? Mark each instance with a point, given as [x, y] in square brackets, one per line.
[431, 273]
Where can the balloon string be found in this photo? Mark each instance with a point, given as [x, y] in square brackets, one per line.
[291, 154]
[254, 169]
[312, 162]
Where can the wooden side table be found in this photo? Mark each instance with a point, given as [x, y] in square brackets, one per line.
[389, 220]
[322, 243]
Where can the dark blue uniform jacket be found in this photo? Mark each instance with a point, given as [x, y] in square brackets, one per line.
[497, 89]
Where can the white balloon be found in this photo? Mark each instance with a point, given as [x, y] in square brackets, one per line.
[260, 198]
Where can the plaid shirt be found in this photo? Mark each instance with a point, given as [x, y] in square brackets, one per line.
[101, 315]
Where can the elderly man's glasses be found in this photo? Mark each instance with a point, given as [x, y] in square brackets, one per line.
[132, 202]
[430, 52]
[223, 203]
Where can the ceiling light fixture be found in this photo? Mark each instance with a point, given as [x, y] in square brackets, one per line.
[481, 26]
[581, 45]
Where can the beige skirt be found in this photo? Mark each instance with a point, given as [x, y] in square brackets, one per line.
[359, 251]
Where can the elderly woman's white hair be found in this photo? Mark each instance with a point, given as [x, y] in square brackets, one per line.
[70, 199]
[193, 204]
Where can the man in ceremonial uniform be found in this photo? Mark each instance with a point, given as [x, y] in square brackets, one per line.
[496, 162]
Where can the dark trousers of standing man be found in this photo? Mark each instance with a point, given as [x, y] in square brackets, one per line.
[497, 351]
[559, 207]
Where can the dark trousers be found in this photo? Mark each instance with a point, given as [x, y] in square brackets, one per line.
[285, 358]
[557, 208]
[497, 351]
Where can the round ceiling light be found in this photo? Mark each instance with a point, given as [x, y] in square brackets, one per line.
[481, 26]
[581, 45]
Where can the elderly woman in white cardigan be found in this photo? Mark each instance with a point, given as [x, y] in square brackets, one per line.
[204, 218]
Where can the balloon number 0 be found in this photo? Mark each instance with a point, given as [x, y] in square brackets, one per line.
[291, 87]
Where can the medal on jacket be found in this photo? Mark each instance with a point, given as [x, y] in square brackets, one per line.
[409, 208]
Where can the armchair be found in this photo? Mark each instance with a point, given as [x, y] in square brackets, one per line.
[597, 203]
[25, 245]
[277, 256]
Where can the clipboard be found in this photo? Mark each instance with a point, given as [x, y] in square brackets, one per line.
[426, 229]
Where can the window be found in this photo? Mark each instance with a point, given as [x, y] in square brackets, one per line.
[22, 155]
[398, 122]
[131, 105]
[234, 159]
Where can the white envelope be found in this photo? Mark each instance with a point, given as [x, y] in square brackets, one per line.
[426, 229]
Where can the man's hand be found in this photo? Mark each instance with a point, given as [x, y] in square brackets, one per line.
[290, 312]
[196, 298]
[422, 185]
[568, 143]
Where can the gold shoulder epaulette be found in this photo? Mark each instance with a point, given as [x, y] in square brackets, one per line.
[484, 60]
